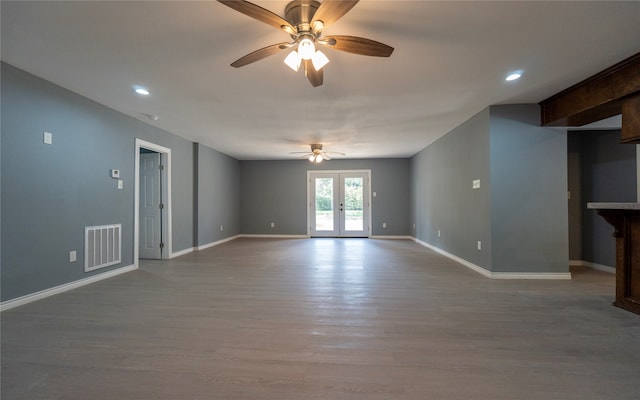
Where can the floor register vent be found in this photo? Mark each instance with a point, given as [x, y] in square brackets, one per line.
[102, 246]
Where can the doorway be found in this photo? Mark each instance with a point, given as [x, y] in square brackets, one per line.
[152, 205]
[339, 203]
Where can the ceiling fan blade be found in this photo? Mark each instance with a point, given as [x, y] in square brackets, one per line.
[336, 152]
[359, 45]
[257, 12]
[332, 10]
[258, 55]
[326, 156]
[315, 77]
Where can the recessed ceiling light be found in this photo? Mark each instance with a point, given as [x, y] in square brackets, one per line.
[150, 116]
[513, 76]
[141, 90]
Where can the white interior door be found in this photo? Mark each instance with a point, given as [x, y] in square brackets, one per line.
[150, 206]
[339, 204]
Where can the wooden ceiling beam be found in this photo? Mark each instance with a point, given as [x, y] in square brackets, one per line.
[598, 97]
[631, 120]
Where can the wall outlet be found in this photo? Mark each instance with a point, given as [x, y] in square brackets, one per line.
[72, 256]
[374, 194]
[221, 228]
[479, 245]
[115, 173]
[384, 224]
[273, 224]
[47, 137]
[438, 232]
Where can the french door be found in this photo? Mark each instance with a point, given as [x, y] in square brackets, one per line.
[339, 203]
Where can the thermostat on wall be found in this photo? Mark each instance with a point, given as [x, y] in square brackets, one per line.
[115, 173]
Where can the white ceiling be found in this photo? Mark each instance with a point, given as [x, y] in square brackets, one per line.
[450, 61]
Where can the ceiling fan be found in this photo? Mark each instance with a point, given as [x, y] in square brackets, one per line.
[316, 155]
[304, 21]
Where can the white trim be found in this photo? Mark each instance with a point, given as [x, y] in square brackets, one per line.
[182, 252]
[531, 275]
[392, 237]
[19, 301]
[273, 236]
[496, 275]
[589, 264]
[217, 242]
[457, 259]
[136, 201]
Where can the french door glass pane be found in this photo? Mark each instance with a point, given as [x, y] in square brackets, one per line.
[353, 204]
[324, 204]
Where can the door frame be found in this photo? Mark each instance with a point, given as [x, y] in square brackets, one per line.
[166, 182]
[367, 193]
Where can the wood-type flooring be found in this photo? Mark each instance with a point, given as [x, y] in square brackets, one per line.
[330, 319]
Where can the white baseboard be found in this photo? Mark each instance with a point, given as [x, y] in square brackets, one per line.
[392, 237]
[274, 236]
[599, 267]
[495, 275]
[217, 242]
[19, 301]
[531, 275]
[455, 258]
[182, 252]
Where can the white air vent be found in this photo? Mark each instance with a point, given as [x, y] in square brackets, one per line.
[102, 246]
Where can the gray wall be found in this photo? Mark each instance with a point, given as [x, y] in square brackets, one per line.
[276, 191]
[51, 192]
[443, 195]
[528, 192]
[519, 212]
[603, 170]
[218, 194]
[576, 204]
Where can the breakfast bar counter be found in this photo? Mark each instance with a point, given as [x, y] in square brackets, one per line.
[625, 219]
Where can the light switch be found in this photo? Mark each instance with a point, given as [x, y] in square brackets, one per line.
[47, 138]
[72, 256]
[476, 184]
[374, 194]
[120, 184]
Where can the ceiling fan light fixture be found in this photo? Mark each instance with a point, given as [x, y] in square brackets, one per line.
[306, 49]
[312, 158]
[293, 60]
[319, 60]
[319, 158]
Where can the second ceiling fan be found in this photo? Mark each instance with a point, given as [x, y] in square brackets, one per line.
[304, 22]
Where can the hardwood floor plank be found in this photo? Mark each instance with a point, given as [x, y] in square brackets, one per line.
[322, 319]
